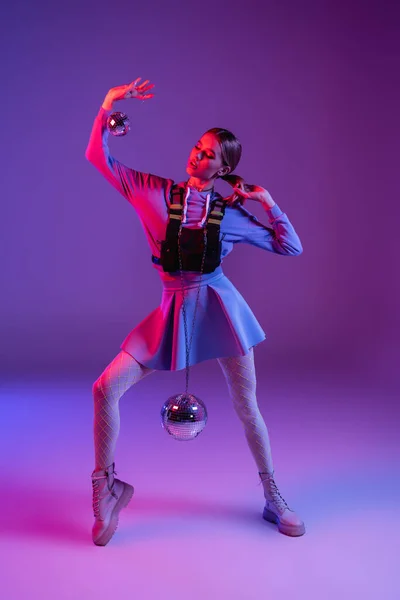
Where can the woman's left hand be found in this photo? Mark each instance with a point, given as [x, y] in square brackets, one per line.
[245, 191]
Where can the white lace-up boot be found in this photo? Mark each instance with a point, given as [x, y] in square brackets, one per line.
[110, 495]
[276, 509]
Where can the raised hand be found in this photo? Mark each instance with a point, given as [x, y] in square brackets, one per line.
[245, 191]
[136, 90]
[130, 90]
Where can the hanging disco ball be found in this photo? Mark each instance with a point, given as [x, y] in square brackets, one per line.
[184, 416]
[118, 123]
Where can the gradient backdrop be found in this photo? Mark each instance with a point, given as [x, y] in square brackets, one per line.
[312, 89]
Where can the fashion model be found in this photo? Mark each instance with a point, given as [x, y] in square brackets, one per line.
[190, 229]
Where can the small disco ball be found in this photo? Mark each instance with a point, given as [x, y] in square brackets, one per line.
[184, 416]
[118, 123]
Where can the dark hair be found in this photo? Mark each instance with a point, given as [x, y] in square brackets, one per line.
[231, 151]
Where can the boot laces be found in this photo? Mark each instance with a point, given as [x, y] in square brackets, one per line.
[96, 492]
[275, 493]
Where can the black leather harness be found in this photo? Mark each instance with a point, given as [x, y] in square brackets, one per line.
[191, 240]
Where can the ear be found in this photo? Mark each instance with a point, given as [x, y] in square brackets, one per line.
[224, 171]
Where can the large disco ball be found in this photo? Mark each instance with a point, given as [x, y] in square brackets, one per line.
[184, 416]
[118, 123]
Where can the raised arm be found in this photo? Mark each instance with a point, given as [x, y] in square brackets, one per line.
[280, 237]
[127, 181]
[240, 225]
[243, 226]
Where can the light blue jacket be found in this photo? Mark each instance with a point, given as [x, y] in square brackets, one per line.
[149, 195]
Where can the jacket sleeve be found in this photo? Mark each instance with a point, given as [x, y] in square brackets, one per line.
[133, 185]
[280, 237]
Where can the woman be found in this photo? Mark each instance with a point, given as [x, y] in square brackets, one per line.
[229, 329]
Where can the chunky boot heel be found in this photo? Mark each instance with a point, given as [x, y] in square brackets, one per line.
[270, 516]
[110, 496]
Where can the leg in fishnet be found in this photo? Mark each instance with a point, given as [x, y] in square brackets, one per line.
[116, 379]
[240, 375]
[241, 379]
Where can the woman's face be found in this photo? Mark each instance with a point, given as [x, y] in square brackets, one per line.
[205, 158]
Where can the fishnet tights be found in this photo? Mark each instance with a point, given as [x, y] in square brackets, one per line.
[240, 375]
[115, 380]
[124, 371]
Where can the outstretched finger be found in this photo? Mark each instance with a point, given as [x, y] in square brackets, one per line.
[149, 87]
[130, 86]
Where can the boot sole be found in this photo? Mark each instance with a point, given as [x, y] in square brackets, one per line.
[294, 530]
[123, 501]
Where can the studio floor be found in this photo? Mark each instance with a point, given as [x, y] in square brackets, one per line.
[194, 527]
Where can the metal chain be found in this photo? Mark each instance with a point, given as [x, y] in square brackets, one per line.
[197, 299]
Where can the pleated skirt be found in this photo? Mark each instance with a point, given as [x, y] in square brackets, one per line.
[224, 323]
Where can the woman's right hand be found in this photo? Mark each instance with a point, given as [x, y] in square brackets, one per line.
[130, 90]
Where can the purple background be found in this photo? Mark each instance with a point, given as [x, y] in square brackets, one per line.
[313, 94]
[312, 89]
